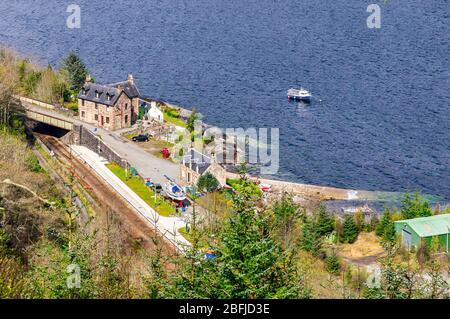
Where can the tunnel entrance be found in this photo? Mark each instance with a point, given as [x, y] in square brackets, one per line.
[46, 129]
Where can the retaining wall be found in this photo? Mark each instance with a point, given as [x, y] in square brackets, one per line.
[84, 137]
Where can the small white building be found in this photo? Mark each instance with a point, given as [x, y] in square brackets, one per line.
[155, 113]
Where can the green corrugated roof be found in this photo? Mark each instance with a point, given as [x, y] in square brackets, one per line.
[429, 226]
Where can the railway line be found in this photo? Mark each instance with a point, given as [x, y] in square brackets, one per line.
[107, 199]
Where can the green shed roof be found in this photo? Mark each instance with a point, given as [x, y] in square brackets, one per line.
[429, 226]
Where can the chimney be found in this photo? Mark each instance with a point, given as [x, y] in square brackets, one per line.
[88, 78]
[130, 78]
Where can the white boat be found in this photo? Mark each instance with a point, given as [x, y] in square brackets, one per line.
[299, 94]
[173, 190]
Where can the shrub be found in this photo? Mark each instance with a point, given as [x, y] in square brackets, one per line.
[33, 164]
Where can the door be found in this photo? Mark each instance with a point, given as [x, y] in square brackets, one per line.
[406, 239]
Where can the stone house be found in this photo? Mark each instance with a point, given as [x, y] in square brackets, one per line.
[196, 164]
[112, 106]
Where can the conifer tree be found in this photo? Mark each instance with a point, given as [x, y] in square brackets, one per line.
[77, 70]
[250, 264]
[325, 224]
[350, 230]
[385, 220]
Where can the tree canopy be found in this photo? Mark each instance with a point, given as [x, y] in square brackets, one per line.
[208, 183]
[77, 70]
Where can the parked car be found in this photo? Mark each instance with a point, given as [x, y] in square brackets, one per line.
[140, 138]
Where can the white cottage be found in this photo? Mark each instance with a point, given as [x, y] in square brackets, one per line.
[155, 113]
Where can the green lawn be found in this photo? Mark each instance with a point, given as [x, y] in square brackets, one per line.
[163, 207]
[185, 234]
[174, 120]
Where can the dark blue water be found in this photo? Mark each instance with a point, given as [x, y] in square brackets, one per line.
[380, 119]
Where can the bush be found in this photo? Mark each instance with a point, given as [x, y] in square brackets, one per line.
[238, 186]
[33, 164]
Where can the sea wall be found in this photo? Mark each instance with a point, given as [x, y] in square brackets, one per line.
[304, 190]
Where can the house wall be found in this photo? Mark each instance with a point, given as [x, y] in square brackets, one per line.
[186, 172]
[219, 173]
[135, 110]
[108, 117]
[215, 169]
[156, 114]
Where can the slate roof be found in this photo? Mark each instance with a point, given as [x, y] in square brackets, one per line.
[89, 90]
[194, 159]
[429, 226]
[130, 88]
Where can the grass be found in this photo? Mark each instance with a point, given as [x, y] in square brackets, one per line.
[174, 120]
[130, 135]
[202, 242]
[136, 184]
[185, 234]
[367, 245]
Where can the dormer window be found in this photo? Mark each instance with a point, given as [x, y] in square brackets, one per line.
[97, 94]
[83, 91]
[108, 97]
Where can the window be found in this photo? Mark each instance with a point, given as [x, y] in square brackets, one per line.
[96, 117]
[96, 106]
[126, 119]
[126, 106]
[82, 114]
[108, 97]
[82, 102]
[107, 120]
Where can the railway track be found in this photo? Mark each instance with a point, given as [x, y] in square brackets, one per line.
[107, 199]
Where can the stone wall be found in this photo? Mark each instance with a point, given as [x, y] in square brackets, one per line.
[109, 117]
[188, 176]
[219, 173]
[310, 191]
[84, 137]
